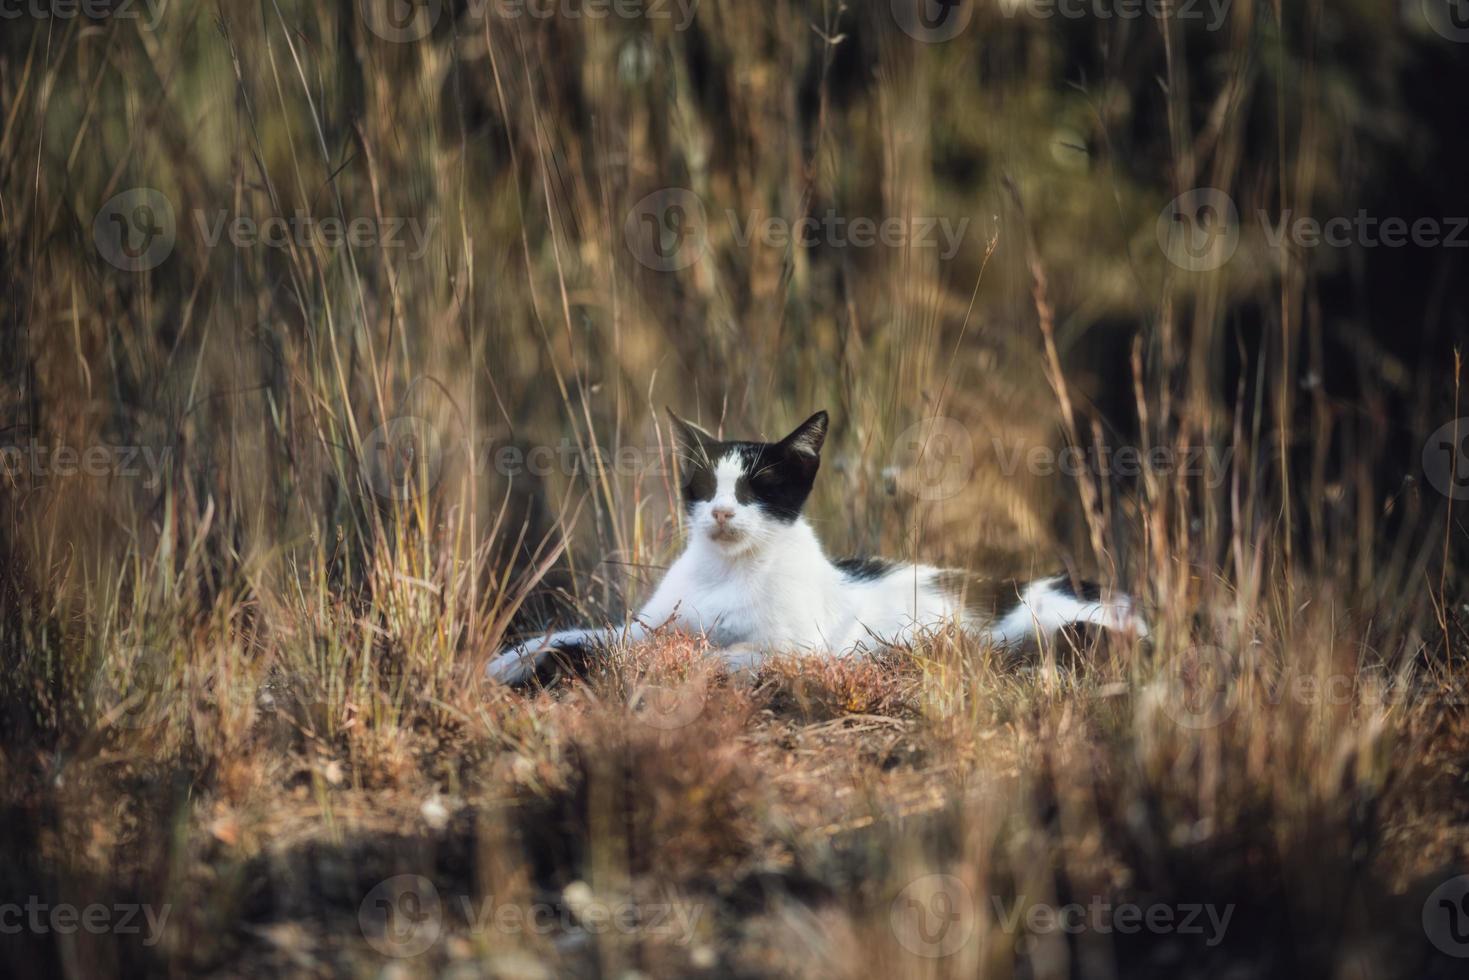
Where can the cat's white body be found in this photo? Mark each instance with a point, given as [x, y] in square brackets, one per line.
[758, 586]
[790, 596]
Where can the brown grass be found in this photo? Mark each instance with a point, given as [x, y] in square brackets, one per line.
[246, 686]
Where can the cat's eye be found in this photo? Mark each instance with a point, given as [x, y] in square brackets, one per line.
[697, 484]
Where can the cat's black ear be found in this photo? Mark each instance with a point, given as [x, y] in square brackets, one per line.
[806, 440]
[689, 435]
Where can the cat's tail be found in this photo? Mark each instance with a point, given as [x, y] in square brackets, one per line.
[1049, 604]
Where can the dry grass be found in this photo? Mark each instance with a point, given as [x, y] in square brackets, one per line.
[243, 686]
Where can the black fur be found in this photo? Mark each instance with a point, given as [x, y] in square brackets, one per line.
[1083, 590]
[983, 598]
[566, 659]
[778, 475]
[864, 569]
[698, 484]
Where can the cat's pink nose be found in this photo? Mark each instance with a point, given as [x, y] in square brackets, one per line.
[723, 514]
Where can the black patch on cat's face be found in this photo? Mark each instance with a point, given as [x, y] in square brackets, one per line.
[777, 479]
[698, 483]
[698, 453]
[777, 476]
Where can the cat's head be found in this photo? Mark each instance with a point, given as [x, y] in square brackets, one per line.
[740, 495]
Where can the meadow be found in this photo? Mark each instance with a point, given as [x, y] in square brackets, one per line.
[335, 348]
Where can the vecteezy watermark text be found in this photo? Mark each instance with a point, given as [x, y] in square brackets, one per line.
[936, 21]
[837, 231]
[1103, 917]
[1210, 462]
[406, 21]
[1201, 687]
[680, 12]
[935, 915]
[404, 916]
[668, 230]
[1212, 13]
[306, 231]
[97, 918]
[1364, 230]
[90, 9]
[1200, 230]
[569, 459]
[935, 459]
[35, 459]
[136, 230]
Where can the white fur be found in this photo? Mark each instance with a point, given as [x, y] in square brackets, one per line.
[766, 587]
[1044, 609]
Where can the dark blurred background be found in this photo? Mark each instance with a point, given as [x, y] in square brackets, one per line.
[303, 274]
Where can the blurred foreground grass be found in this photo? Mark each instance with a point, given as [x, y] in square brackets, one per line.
[334, 353]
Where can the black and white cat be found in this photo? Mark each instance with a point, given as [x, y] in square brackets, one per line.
[754, 579]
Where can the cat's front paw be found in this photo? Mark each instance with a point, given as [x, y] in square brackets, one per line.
[518, 664]
[744, 660]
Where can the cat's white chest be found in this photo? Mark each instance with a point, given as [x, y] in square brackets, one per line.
[727, 610]
[725, 605]
[786, 601]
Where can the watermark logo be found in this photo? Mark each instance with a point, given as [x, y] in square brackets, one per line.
[933, 459]
[668, 229]
[135, 696]
[1448, 18]
[669, 707]
[135, 230]
[933, 916]
[401, 21]
[1446, 917]
[932, 21]
[401, 916]
[401, 457]
[1199, 229]
[1446, 459]
[1197, 690]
